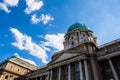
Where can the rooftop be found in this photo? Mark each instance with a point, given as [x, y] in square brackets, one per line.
[77, 26]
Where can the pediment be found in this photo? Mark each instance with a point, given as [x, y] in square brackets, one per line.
[65, 56]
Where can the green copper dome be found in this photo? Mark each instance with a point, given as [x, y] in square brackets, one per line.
[77, 26]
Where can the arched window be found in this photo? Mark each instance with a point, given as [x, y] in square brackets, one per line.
[15, 78]
[6, 77]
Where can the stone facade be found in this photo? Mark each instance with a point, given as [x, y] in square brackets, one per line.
[82, 59]
[15, 68]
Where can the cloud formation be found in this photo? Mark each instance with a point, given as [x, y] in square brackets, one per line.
[4, 7]
[33, 5]
[24, 42]
[8, 3]
[34, 19]
[54, 40]
[27, 60]
[44, 18]
[11, 2]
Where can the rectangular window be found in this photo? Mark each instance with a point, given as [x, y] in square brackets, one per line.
[83, 35]
[25, 72]
[66, 71]
[11, 67]
[108, 70]
[78, 78]
[118, 65]
[77, 68]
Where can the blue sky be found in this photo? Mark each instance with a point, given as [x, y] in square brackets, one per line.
[34, 29]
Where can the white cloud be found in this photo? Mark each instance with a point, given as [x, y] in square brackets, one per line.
[44, 18]
[33, 5]
[34, 19]
[27, 60]
[4, 7]
[8, 3]
[54, 40]
[11, 2]
[24, 42]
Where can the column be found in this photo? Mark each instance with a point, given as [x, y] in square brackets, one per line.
[40, 77]
[59, 74]
[51, 73]
[95, 71]
[81, 71]
[69, 72]
[1, 77]
[86, 70]
[113, 70]
[48, 76]
[9, 77]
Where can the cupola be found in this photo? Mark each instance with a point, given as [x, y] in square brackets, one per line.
[77, 26]
[78, 34]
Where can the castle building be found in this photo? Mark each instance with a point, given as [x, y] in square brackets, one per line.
[15, 68]
[82, 58]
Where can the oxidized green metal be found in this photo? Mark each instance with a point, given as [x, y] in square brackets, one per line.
[77, 25]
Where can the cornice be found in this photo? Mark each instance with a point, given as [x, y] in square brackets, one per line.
[67, 61]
